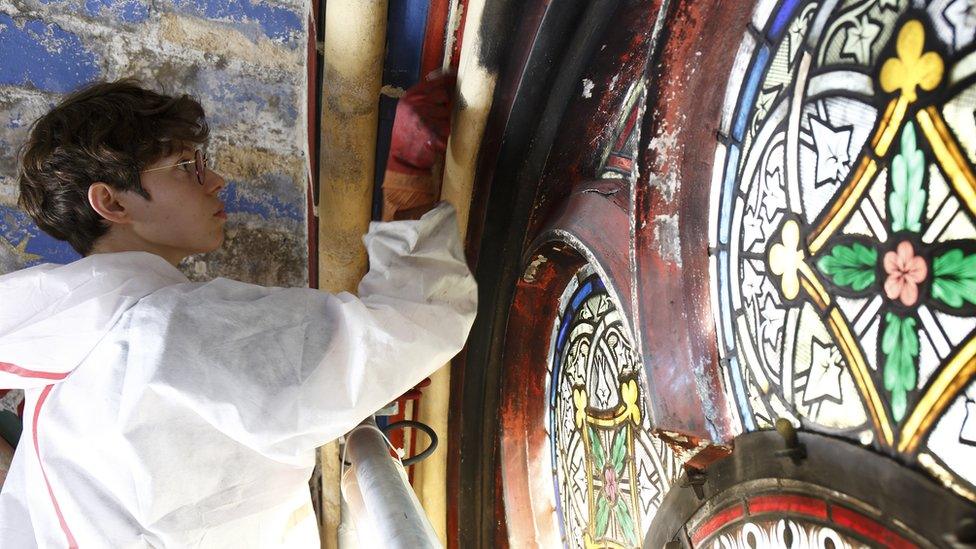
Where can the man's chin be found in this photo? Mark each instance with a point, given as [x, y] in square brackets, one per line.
[218, 243]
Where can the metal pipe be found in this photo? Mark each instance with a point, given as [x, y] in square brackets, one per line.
[389, 507]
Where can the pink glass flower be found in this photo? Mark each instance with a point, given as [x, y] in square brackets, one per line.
[610, 484]
[905, 272]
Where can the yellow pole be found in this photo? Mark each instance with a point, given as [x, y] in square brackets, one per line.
[476, 86]
[355, 37]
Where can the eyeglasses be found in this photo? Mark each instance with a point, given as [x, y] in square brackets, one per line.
[199, 164]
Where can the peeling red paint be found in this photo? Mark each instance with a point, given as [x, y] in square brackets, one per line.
[674, 315]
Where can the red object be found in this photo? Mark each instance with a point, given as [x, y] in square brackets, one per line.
[313, 146]
[856, 522]
[435, 38]
[434, 56]
[462, 7]
[800, 505]
[37, 451]
[24, 372]
[794, 505]
[717, 521]
[421, 127]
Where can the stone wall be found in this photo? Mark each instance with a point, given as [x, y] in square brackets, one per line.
[245, 60]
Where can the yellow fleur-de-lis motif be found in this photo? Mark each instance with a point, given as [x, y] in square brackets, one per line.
[912, 68]
[786, 259]
[579, 405]
[630, 394]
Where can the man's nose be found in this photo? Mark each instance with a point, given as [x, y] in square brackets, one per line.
[214, 182]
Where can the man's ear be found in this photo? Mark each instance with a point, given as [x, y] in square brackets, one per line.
[106, 201]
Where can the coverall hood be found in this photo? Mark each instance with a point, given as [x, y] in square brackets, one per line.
[52, 316]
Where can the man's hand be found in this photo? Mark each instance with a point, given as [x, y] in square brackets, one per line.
[421, 126]
[418, 142]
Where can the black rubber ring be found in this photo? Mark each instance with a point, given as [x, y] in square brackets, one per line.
[421, 427]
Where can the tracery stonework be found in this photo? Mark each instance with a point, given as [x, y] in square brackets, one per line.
[609, 473]
[843, 237]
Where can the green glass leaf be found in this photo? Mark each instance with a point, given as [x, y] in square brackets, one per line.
[602, 516]
[619, 451]
[907, 198]
[596, 449]
[626, 520]
[851, 266]
[899, 344]
[954, 278]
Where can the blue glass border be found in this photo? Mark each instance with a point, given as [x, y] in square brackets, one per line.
[728, 190]
[748, 96]
[779, 21]
[782, 18]
[745, 411]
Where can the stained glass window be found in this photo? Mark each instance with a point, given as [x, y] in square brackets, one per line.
[784, 519]
[609, 473]
[844, 244]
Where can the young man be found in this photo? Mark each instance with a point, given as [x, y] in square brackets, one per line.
[165, 413]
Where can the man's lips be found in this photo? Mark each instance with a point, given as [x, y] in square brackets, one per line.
[221, 214]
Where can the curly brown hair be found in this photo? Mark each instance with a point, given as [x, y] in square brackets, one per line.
[106, 132]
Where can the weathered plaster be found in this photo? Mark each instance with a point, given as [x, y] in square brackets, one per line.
[587, 88]
[667, 238]
[228, 43]
[243, 59]
[667, 183]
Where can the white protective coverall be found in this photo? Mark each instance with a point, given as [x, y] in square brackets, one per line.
[165, 413]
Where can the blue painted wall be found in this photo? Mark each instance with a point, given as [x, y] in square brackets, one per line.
[243, 59]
